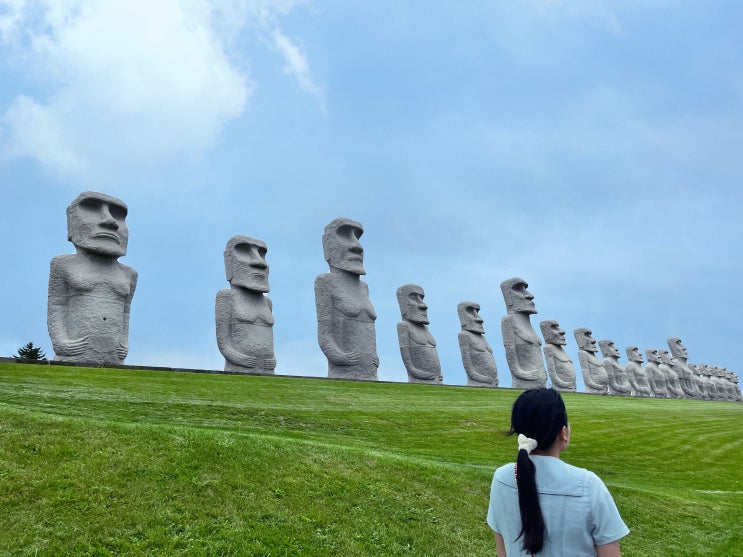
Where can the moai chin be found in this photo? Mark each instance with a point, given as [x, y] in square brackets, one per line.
[559, 365]
[679, 356]
[90, 292]
[345, 314]
[243, 312]
[656, 377]
[673, 385]
[617, 378]
[521, 341]
[417, 345]
[636, 374]
[594, 374]
[477, 355]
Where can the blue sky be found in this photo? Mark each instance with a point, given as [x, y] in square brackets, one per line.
[593, 148]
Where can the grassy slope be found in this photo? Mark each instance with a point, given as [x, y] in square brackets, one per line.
[97, 462]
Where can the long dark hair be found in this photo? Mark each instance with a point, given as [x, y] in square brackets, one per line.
[540, 415]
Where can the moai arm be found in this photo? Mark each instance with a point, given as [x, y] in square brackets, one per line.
[466, 348]
[325, 333]
[553, 365]
[57, 312]
[512, 356]
[269, 363]
[403, 338]
[123, 348]
[223, 310]
[586, 368]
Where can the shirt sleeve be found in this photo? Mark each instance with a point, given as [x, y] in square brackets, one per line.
[492, 521]
[608, 526]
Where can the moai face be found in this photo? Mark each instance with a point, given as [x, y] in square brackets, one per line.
[469, 317]
[518, 299]
[608, 349]
[245, 263]
[413, 309]
[678, 350]
[96, 223]
[585, 339]
[665, 357]
[341, 245]
[552, 332]
[633, 354]
[652, 355]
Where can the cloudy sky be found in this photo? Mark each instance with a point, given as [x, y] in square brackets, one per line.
[593, 148]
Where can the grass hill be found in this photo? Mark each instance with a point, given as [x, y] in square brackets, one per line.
[130, 462]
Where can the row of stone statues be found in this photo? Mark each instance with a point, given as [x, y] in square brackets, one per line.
[90, 295]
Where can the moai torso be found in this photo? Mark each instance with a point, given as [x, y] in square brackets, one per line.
[617, 378]
[636, 374]
[417, 345]
[656, 377]
[685, 375]
[477, 355]
[559, 365]
[673, 386]
[594, 374]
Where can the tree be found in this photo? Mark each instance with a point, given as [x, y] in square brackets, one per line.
[30, 352]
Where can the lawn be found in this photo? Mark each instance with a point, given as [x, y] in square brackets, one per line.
[139, 462]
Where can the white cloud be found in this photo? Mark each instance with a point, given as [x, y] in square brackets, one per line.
[296, 63]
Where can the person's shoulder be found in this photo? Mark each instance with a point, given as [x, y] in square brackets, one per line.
[505, 474]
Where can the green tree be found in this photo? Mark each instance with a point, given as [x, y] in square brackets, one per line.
[30, 352]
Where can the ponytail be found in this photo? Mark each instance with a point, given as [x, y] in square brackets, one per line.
[532, 521]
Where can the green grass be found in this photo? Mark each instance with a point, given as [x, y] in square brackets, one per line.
[111, 462]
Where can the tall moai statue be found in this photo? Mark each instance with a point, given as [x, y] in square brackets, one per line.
[618, 383]
[679, 356]
[477, 355]
[243, 312]
[699, 381]
[345, 314]
[559, 365]
[594, 374]
[673, 386]
[656, 377]
[636, 374]
[521, 341]
[417, 345]
[90, 292]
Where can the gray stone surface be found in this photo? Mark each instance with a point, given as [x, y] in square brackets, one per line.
[636, 374]
[243, 312]
[417, 345]
[656, 377]
[672, 379]
[618, 383]
[679, 357]
[345, 314]
[477, 355]
[90, 292]
[594, 375]
[559, 365]
[521, 341]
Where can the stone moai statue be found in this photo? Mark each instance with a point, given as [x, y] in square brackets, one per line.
[477, 355]
[656, 377]
[243, 312]
[699, 381]
[90, 292]
[617, 378]
[673, 386]
[679, 357]
[724, 392]
[594, 374]
[417, 345]
[521, 341]
[559, 365]
[345, 315]
[636, 374]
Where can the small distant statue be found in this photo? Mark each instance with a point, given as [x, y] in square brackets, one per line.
[679, 357]
[521, 341]
[673, 386]
[656, 377]
[559, 365]
[636, 374]
[90, 292]
[243, 312]
[345, 314]
[594, 374]
[618, 383]
[477, 355]
[417, 345]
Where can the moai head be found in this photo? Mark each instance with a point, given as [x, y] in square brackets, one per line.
[552, 332]
[245, 263]
[518, 299]
[665, 357]
[633, 354]
[585, 340]
[96, 223]
[413, 309]
[678, 350]
[652, 355]
[608, 349]
[469, 317]
[341, 246]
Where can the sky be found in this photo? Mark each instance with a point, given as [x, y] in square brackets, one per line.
[593, 148]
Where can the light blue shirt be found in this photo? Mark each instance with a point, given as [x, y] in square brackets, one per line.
[579, 512]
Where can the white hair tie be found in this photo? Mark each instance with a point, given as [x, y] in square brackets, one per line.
[527, 443]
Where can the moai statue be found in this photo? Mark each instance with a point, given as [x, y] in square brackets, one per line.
[673, 386]
[730, 384]
[477, 355]
[345, 315]
[636, 374]
[699, 381]
[594, 374]
[726, 392]
[679, 356]
[521, 341]
[618, 382]
[719, 383]
[243, 312]
[559, 365]
[705, 374]
[656, 377]
[417, 345]
[90, 292]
